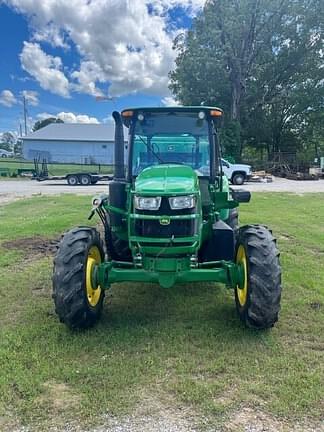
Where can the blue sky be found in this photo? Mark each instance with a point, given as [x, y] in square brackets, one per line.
[61, 55]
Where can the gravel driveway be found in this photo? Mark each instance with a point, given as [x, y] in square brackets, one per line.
[16, 189]
[12, 190]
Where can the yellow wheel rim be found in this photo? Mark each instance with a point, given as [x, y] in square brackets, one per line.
[93, 292]
[242, 291]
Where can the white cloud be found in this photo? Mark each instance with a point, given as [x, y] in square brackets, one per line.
[191, 6]
[44, 115]
[124, 43]
[7, 98]
[31, 97]
[69, 117]
[45, 68]
[52, 35]
[169, 101]
[87, 77]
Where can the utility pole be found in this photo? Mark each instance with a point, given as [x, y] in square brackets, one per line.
[25, 114]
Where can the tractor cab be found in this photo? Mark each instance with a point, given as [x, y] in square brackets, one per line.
[173, 140]
[181, 136]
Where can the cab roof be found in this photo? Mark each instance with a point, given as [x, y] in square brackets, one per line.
[173, 108]
[129, 113]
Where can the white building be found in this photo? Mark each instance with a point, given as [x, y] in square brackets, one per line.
[71, 143]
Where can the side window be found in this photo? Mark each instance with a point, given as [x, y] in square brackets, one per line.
[225, 164]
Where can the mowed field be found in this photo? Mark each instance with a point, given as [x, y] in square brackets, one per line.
[160, 360]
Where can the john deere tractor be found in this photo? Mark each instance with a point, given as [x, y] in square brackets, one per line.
[169, 217]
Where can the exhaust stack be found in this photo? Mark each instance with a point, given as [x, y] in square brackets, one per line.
[119, 147]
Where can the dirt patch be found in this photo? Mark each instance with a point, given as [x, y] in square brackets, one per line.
[58, 397]
[285, 237]
[251, 420]
[33, 245]
[155, 413]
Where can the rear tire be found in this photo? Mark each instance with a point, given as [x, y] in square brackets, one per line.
[233, 219]
[85, 180]
[77, 302]
[258, 303]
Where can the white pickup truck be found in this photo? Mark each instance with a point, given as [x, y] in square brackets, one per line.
[236, 173]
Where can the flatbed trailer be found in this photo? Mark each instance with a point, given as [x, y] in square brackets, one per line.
[73, 179]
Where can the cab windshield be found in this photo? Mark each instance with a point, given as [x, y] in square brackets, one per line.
[170, 137]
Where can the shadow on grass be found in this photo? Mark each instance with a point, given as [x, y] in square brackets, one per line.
[201, 313]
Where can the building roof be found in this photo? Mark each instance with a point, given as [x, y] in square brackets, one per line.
[73, 132]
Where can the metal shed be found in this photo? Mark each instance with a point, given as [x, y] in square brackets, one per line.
[71, 143]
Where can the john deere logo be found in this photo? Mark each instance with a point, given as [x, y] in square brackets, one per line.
[165, 220]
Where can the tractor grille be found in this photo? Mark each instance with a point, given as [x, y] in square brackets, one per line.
[153, 228]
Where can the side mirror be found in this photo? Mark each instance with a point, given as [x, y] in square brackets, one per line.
[241, 195]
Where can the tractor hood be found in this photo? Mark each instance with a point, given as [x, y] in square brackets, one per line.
[167, 180]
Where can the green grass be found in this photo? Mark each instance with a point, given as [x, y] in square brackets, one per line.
[184, 344]
[54, 169]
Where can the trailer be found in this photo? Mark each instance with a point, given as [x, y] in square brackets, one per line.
[73, 179]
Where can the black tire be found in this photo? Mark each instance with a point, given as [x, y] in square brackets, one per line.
[238, 179]
[233, 219]
[85, 180]
[93, 182]
[117, 249]
[4, 155]
[72, 180]
[70, 296]
[263, 293]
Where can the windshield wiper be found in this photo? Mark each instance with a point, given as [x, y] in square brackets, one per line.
[150, 149]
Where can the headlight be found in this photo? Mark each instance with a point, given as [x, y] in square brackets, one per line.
[147, 203]
[182, 202]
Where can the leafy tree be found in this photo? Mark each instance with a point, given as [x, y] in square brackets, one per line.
[262, 61]
[45, 122]
[18, 148]
[8, 140]
[5, 146]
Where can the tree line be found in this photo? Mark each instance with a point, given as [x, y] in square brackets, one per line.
[262, 61]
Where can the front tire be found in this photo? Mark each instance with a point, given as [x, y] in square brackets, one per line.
[238, 179]
[258, 300]
[78, 302]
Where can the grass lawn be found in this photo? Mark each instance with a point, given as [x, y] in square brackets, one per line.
[183, 347]
[54, 169]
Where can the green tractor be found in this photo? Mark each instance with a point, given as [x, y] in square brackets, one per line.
[169, 217]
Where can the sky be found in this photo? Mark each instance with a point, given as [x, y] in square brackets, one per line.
[62, 54]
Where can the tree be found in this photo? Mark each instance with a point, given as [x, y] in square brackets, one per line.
[258, 59]
[8, 140]
[45, 122]
[18, 148]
